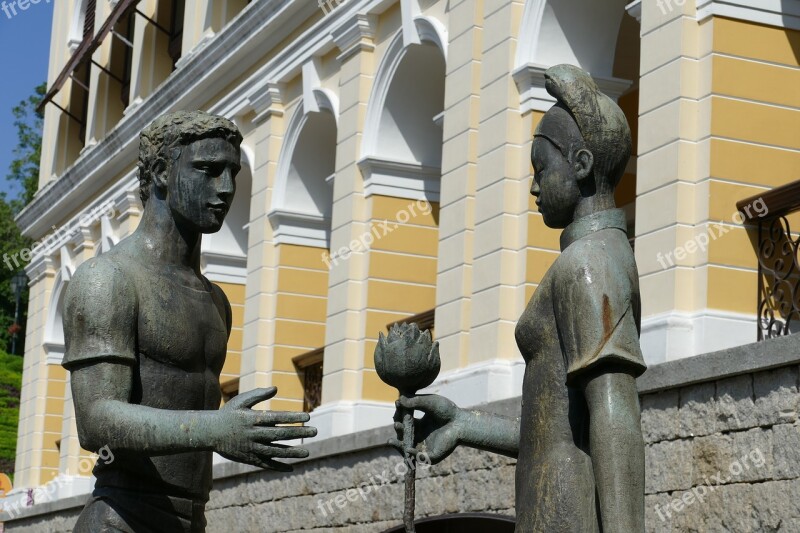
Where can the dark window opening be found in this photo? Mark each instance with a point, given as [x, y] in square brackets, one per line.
[176, 30]
[88, 19]
[125, 89]
[79, 104]
[309, 368]
[230, 389]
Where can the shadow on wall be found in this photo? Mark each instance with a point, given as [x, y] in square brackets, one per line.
[791, 16]
[462, 523]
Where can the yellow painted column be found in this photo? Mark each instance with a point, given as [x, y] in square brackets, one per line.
[401, 279]
[717, 123]
[459, 172]
[342, 386]
[262, 258]
[301, 303]
[33, 409]
[501, 196]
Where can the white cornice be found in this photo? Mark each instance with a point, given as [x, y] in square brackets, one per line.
[780, 13]
[55, 352]
[533, 96]
[303, 229]
[634, 9]
[224, 268]
[268, 102]
[120, 200]
[400, 179]
[355, 36]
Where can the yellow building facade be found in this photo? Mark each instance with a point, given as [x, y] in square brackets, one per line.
[386, 175]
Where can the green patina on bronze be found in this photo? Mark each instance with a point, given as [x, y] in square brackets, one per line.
[146, 338]
[578, 442]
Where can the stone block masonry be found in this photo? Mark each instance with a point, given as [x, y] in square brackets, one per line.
[722, 454]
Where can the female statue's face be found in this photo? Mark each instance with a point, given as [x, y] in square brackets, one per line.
[555, 184]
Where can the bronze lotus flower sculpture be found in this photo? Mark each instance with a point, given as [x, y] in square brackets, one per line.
[408, 360]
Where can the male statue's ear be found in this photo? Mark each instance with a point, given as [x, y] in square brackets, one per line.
[584, 163]
[159, 173]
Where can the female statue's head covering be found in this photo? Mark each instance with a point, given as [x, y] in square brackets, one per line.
[601, 122]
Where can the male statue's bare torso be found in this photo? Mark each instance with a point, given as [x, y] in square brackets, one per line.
[179, 364]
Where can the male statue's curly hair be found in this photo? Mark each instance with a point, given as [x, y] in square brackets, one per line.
[158, 141]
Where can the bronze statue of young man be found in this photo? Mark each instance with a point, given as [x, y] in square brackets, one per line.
[578, 442]
[146, 337]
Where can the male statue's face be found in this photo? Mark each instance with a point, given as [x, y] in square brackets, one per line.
[202, 183]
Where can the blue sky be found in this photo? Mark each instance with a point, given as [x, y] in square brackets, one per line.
[24, 49]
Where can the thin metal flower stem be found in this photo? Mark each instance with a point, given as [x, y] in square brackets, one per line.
[411, 473]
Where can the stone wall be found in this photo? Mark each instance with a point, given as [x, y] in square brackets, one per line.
[722, 454]
[325, 495]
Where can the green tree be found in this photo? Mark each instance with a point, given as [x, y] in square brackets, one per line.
[10, 385]
[24, 173]
[25, 168]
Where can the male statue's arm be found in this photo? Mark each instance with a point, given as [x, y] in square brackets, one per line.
[617, 450]
[100, 320]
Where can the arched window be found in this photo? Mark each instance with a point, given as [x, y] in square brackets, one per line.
[303, 199]
[54, 328]
[223, 256]
[402, 151]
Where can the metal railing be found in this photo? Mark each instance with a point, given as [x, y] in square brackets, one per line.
[777, 247]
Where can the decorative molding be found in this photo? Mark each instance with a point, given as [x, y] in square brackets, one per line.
[303, 229]
[53, 342]
[311, 84]
[534, 97]
[108, 234]
[400, 179]
[480, 383]
[634, 9]
[430, 29]
[128, 202]
[83, 240]
[315, 98]
[207, 37]
[780, 13]
[355, 36]
[224, 268]
[122, 199]
[348, 417]
[675, 335]
[268, 103]
[409, 11]
[54, 353]
[439, 119]
[66, 269]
